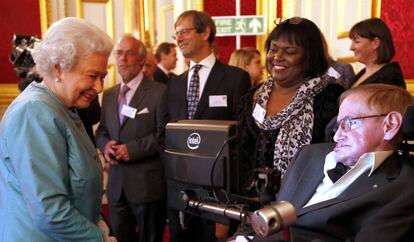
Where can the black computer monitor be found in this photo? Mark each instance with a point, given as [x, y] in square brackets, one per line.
[190, 154]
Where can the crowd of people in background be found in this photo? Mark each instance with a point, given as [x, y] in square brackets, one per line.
[50, 174]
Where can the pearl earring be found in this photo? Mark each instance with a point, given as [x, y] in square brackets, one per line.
[57, 80]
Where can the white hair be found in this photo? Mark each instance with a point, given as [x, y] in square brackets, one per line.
[142, 51]
[66, 41]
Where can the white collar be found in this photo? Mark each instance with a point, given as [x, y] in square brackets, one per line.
[370, 160]
[134, 83]
[208, 61]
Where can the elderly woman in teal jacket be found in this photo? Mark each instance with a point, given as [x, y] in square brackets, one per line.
[50, 176]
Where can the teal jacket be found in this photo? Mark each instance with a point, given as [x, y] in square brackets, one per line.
[50, 175]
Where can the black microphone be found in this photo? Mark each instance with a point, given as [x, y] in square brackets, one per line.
[408, 124]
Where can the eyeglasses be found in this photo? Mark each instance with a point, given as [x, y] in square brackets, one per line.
[129, 53]
[181, 32]
[347, 122]
[294, 20]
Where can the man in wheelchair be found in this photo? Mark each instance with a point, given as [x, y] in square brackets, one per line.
[360, 188]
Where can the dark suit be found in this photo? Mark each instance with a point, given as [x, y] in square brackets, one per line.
[373, 208]
[222, 80]
[90, 116]
[160, 76]
[139, 181]
[390, 74]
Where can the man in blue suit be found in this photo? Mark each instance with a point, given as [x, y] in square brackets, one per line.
[208, 90]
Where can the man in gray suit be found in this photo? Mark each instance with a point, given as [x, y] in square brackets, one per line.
[130, 136]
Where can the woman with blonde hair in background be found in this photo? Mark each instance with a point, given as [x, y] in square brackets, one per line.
[248, 59]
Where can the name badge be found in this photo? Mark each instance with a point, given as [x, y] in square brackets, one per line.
[241, 238]
[128, 111]
[333, 73]
[217, 101]
[259, 113]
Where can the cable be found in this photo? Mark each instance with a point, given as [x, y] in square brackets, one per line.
[214, 165]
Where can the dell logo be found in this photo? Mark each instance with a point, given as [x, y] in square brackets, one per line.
[193, 141]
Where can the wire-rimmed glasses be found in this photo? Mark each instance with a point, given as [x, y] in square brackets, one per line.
[347, 122]
[181, 32]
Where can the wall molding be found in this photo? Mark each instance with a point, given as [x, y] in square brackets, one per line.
[8, 92]
[410, 86]
[266, 8]
[164, 11]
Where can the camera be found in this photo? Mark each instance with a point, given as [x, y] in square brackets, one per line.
[266, 183]
[22, 60]
[21, 55]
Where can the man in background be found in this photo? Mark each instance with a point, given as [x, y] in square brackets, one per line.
[167, 60]
[130, 135]
[150, 65]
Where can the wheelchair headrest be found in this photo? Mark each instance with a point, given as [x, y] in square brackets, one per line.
[408, 124]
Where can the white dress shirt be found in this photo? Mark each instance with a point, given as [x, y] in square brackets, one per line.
[203, 73]
[133, 86]
[328, 190]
